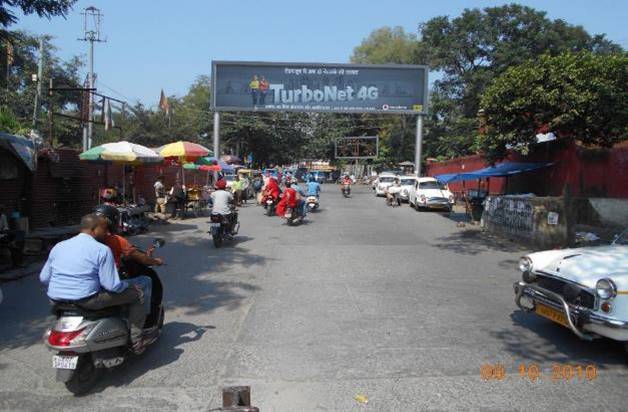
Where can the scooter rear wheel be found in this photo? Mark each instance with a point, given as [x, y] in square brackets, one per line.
[85, 376]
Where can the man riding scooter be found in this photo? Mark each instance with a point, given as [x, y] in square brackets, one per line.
[392, 194]
[81, 271]
[270, 196]
[223, 204]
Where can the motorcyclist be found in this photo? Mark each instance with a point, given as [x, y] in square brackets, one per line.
[223, 203]
[313, 187]
[82, 271]
[131, 261]
[290, 199]
[392, 192]
[346, 181]
[271, 190]
[300, 198]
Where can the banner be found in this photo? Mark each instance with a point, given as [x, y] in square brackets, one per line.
[317, 87]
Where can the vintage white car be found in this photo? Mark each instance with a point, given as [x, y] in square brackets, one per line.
[585, 289]
[406, 183]
[384, 181]
[429, 193]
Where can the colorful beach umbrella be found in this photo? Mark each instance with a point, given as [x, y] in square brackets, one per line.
[185, 151]
[121, 152]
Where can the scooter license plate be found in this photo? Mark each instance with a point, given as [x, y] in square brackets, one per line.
[64, 362]
[215, 225]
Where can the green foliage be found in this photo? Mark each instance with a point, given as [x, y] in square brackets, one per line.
[43, 8]
[468, 52]
[10, 124]
[582, 95]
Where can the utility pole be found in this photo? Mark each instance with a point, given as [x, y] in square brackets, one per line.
[418, 144]
[92, 18]
[40, 75]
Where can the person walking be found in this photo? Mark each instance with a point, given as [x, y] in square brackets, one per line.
[160, 195]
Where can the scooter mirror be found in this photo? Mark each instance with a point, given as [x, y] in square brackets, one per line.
[157, 243]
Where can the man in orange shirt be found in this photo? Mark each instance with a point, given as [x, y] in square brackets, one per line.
[121, 247]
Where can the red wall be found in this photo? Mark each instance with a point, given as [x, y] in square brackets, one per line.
[586, 172]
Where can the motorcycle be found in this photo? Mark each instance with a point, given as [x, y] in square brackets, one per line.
[312, 203]
[293, 216]
[269, 205]
[393, 199]
[88, 342]
[346, 190]
[222, 227]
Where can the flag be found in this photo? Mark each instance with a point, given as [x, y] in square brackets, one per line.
[163, 102]
[109, 123]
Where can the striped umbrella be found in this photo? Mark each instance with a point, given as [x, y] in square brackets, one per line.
[121, 152]
[185, 151]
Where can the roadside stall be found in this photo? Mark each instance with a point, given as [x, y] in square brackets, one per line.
[183, 152]
[133, 217]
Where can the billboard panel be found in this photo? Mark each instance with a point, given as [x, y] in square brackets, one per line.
[362, 147]
[317, 87]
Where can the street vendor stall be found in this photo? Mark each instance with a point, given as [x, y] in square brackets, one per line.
[132, 215]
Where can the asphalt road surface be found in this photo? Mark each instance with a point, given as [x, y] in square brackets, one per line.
[399, 306]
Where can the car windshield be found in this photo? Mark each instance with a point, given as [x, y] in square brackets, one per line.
[406, 182]
[386, 179]
[622, 238]
[431, 185]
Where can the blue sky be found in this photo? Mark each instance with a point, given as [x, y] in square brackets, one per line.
[155, 44]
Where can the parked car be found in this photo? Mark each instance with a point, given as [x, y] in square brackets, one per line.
[406, 182]
[584, 289]
[428, 193]
[384, 181]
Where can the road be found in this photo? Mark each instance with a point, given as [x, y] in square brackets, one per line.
[400, 306]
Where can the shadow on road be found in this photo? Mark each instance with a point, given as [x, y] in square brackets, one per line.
[190, 282]
[168, 349]
[475, 241]
[559, 345]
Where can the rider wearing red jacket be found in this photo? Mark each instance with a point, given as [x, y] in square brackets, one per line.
[290, 199]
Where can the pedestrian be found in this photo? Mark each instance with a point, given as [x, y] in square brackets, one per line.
[13, 239]
[160, 195]
[237, 187]
[177, 194]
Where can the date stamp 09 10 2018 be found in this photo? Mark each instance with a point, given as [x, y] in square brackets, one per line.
[532, 372]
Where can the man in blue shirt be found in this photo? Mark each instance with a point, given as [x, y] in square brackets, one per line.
[313, 187]
[82, 270]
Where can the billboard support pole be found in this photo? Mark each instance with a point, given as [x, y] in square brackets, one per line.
[418, 144]
[216, 135]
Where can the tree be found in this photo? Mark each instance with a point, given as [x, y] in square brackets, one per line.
[468, 52]
[43, 8]
[578, 95]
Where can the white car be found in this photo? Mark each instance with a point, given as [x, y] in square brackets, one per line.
[383, 182]
[428, 193]
[406, 183]
[585, 289]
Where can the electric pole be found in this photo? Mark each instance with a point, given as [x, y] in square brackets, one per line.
[92, 18]
[39, 79]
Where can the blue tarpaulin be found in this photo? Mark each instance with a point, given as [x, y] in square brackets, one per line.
[500, 170]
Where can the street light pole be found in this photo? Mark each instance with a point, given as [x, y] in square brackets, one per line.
[40, 74]
[91, 28]
[418, 144]
[217, 135]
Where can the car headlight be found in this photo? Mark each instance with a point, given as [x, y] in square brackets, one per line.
[525, 264]
[605, 289]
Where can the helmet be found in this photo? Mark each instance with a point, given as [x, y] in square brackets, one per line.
[221, 184]
[312, 179]
[112, 215]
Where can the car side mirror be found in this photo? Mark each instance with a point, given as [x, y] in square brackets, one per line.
[158, 242]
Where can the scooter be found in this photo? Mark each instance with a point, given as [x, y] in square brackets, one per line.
[312, 203]
[269, 205]
[392, 199]
[293, 216]
[346, 190]
[88, 342]
[223, 227]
